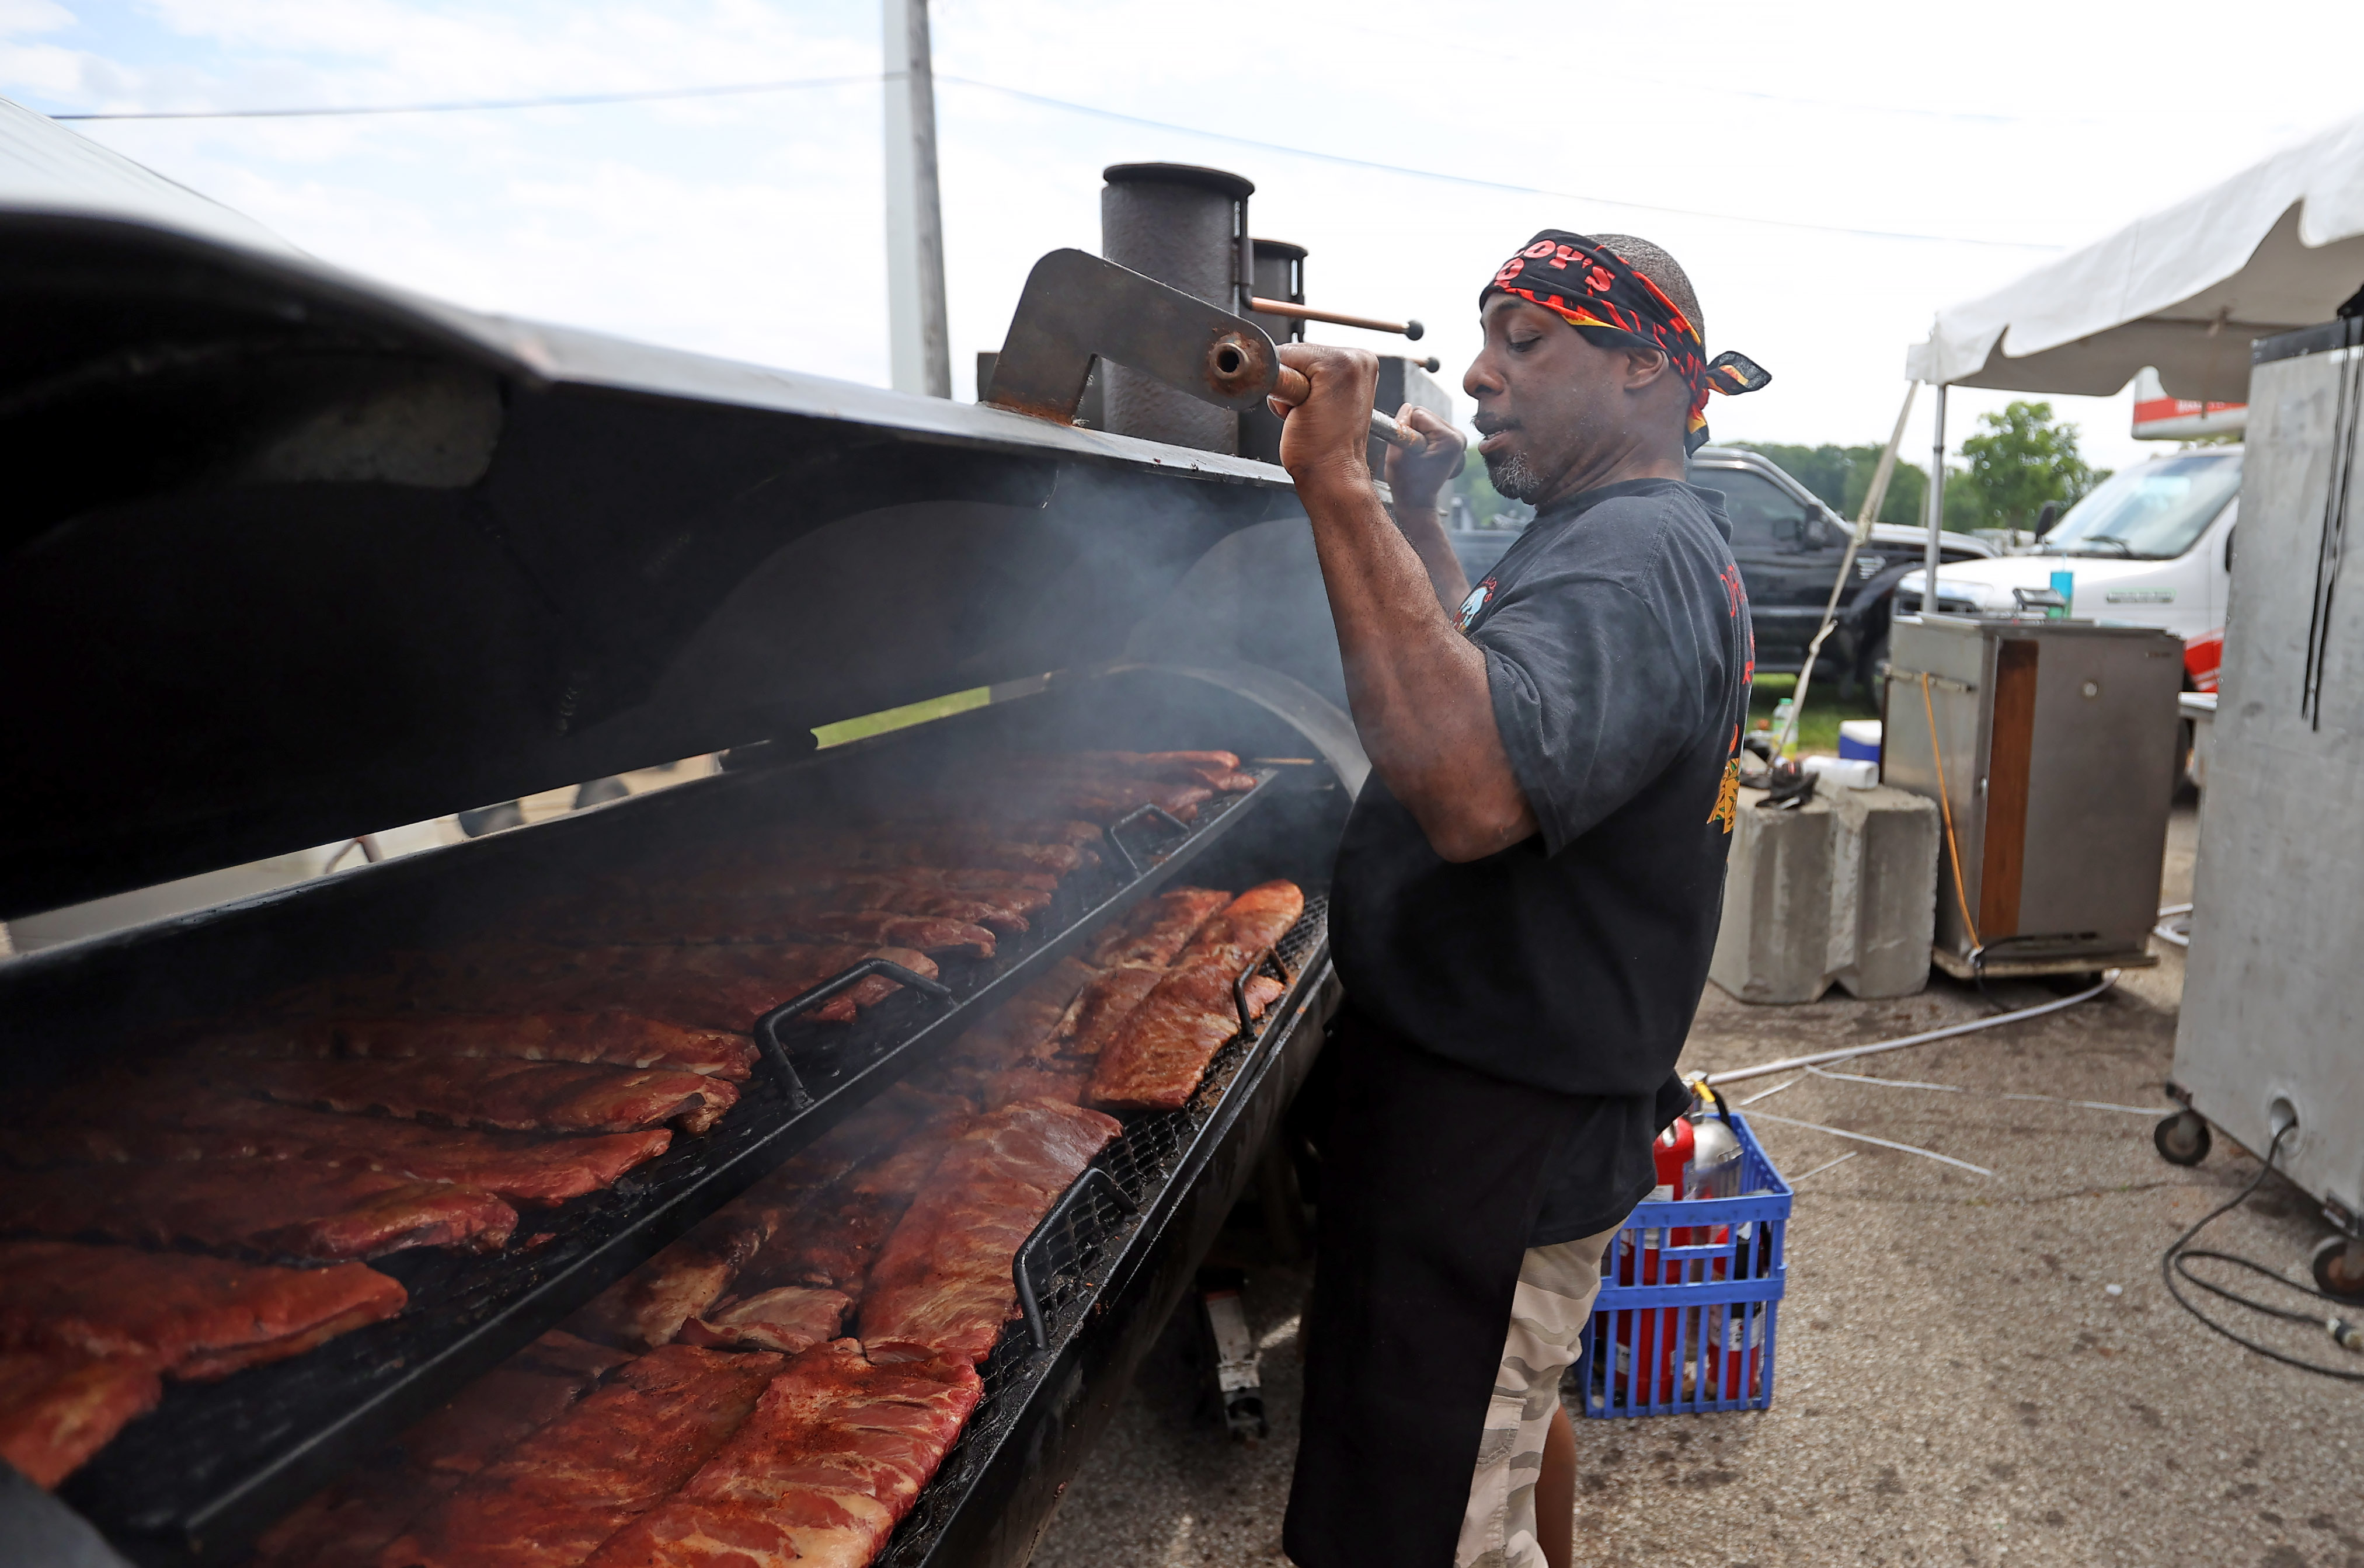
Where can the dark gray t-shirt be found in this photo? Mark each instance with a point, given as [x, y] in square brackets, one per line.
[1618, 658]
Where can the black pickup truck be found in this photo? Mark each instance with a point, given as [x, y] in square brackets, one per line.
[1789, 545]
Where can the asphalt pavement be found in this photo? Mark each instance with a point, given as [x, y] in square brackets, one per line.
[1970, 1369]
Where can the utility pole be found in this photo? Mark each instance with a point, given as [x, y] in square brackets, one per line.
[920, 348]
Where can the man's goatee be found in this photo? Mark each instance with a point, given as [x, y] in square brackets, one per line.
[1512, 478]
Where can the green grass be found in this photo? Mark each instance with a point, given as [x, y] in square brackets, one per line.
[903, 717]
[1818, 727]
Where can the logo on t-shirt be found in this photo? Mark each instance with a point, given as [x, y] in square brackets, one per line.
[1474, 605]
[1727, 797]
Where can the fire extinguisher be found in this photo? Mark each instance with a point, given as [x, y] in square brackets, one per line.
[1735, 1335]
[1644, 1370]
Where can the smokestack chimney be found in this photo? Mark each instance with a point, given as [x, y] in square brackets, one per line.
[1185, 226]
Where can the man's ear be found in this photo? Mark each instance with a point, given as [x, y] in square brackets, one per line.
[1645, 366]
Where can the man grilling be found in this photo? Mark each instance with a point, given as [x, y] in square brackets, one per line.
[1526, 895]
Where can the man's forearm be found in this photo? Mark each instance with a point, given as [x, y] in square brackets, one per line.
[1418, 688]
[1424, 527]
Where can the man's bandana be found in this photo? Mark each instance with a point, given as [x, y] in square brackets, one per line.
[1614, 304]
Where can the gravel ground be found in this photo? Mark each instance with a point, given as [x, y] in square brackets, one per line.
[1956, 1381]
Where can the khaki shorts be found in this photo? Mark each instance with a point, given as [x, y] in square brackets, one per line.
[1557, 1286]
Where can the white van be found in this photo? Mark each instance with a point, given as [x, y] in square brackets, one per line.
[2151, 546]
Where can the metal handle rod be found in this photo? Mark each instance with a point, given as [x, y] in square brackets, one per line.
[767, 1028]
[1111, 831]
[1412, 329]
[1021, 1267]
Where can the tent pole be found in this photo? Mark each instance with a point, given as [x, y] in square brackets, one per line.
[1936, 505]
[1872, 497]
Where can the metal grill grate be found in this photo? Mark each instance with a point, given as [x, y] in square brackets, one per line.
[216, 1462]
[1079, 1255]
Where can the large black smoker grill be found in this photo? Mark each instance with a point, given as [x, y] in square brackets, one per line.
[292, 557]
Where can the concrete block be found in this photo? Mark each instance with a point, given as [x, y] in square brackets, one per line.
[1843, 888]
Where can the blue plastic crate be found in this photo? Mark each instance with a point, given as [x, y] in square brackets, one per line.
[1689, 1291]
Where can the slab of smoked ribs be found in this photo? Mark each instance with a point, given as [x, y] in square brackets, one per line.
[332, 1214]
[616, 1040]
[1156, 1061]
[941, 1285]
[554, 1498]
[183, 1122]
[813, 1224]
[836, 1240]
[713, 986]
[86, 1331]
[347, 1524]
[499, 1093]
[773, 920]
[200, 1318]
[58, 1408]
[837, 1449]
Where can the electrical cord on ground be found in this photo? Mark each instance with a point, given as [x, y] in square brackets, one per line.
[2172, 1265]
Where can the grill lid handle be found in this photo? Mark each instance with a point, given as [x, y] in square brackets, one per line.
[1024, 1266]
[768, 1026]
[1078, 307]
[1113, 830]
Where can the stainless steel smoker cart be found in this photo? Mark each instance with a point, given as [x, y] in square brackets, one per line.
[2057, 743]
[2273, 1029]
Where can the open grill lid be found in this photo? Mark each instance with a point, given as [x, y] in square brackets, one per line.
[292, 556]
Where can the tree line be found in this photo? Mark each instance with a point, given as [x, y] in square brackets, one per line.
[2018, 459]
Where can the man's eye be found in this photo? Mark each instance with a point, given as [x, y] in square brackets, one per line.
[1520, 345]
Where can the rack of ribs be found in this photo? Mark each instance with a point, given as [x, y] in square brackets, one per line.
[1157, 928]
[835, 1241]
[614, 1039]
[188, 1123]
[836, 1450]
[87, 1332]
[941, 1285]
[201, 1318]
[1240, 931]
[648, 1307]
[1155, 1060]
[1217, 771]
[251, 1206]
[723, 987]
[557, 1495]
[56, 1408]
[346, 1525]
[490, 1092]
[790, 1319]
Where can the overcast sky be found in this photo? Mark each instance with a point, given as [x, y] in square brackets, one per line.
[751, 225]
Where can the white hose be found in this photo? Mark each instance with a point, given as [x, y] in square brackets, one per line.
[1791, 1064]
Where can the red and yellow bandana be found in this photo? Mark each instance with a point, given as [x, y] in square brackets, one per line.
[1613, 302]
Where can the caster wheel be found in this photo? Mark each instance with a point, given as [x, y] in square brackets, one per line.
[2182, 1138]
[2339, 1266]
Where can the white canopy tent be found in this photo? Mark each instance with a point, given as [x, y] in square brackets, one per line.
[2184, 291]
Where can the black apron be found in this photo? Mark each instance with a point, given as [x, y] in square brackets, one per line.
[1431, 1177]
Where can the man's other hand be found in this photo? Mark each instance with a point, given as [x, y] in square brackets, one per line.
[1324, 398]
[1417, 474]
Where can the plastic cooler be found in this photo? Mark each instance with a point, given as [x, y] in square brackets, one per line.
[1860, 740]
[1688, 1294]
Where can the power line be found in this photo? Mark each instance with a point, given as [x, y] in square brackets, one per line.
[744, 88]
[465, 106]
[1484, 184]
